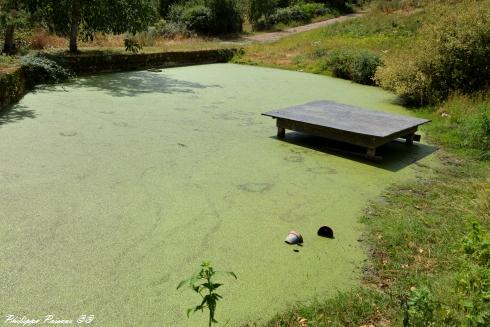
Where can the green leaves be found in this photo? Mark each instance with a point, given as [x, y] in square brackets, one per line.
[203, 284]
[106, 16]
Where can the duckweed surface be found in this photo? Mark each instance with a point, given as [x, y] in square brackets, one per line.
[115, 187]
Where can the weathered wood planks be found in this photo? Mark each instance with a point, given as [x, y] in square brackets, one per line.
[354, 125]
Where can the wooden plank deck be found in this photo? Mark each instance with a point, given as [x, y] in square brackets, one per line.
[344, 123]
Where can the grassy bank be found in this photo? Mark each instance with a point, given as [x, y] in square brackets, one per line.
[428, 263]
[8, 64]
[376, 33]
[428, 240]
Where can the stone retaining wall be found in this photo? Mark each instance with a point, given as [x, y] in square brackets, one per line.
[14, 85]
[92, 63]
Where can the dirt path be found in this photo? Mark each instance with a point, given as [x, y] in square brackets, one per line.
[271, 37]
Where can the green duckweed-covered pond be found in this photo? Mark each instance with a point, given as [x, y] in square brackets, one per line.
[114, 188]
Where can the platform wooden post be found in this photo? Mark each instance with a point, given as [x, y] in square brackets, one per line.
[281, 132]
[409, 139]
[371, 153]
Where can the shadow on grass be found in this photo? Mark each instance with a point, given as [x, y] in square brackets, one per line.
[16, 113]
[396, 155]
[136, 83]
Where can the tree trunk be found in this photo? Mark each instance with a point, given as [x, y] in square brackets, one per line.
[9, 46]
[76, 15]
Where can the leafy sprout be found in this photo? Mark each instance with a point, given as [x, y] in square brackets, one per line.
[203, 284]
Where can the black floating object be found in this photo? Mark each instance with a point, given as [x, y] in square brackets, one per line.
[325, 231]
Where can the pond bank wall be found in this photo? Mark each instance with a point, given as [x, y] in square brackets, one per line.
[14, 85]
[110, 62]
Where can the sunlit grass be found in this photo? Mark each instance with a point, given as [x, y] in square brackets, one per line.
[8, 63]
[306, 51]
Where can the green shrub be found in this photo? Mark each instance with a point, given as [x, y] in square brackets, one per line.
[198, 18]
[227, 16]
[359, 67]
[298, 13]
[392, 5]
[170, 29]
[212, 17]
[259, 12]
[451, 54]
[420, 307]
[42, 70]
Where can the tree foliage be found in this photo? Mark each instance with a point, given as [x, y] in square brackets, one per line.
[258, 9]
[212, 17]
[13, 13]
[85, 17]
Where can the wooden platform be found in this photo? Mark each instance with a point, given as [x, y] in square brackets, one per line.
[344, 123]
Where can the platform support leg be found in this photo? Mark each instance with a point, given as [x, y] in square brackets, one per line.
[281, 132]
[371, 153]
[409, 139]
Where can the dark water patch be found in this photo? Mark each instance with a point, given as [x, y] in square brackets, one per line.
[106, 112]
[256, 187]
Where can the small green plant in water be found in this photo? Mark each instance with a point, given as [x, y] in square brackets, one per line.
[203, 284]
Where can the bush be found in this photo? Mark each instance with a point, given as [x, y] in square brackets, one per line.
[169, 29]
[299, 13]
[42, 70]
[208, 16]
[260, 11]
[198, 18]
[451, 54]
[357, 66]
[227, 17]
[392, 5]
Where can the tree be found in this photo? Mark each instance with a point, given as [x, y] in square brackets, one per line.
[164, 6]
[12, 14]
[85, 17]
